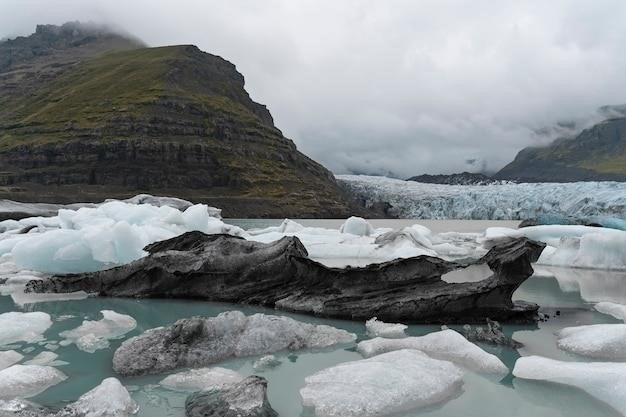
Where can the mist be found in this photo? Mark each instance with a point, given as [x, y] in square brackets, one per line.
[396, 88]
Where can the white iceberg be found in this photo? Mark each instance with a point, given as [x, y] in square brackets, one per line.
[604, 381]
[9, 357]
[601, 341]
[26, 381]
[23, 327]
[613, 309]
[201, 379]
[377, 328]
[93, 335]
[386, 384]
[109, 399]
[357, 226]
[447, 345]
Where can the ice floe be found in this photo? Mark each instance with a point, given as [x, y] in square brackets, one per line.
[613, 309]
[9, 357]
[26, 381]
[265, 363]
[386, 384]
[604, 381]
[377, 328]
[201, 379]
[23, 327]
[601, 341]
[93, 335]
[446, 345]
[109, 399]
[46, 358]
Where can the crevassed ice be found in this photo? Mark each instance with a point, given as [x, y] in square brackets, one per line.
[386, 384]
[201, 379]
[23, 327]
[602, 341]
[491, 202]
[93, 335]
[377, 328]
[109, 399]
[605, 381]
[613, 309]
[26, 381]
[446, 344]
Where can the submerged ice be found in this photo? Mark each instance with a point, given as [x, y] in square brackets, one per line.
[201, 379]
[93, 335]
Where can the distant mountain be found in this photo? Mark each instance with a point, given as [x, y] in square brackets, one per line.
[88, 114]
[597, 153]
[464, 178]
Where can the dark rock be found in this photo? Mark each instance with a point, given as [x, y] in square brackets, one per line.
[280, 274]
[492, 334]
[248, 398]
[464, 178]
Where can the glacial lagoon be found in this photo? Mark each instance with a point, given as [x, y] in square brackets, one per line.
[566, 296]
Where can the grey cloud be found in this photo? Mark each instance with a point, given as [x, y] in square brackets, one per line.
[392, 87]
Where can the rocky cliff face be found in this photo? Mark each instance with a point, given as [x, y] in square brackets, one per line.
[112, 118]
[597, 153]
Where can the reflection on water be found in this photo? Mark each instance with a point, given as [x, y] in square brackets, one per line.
[570, 292]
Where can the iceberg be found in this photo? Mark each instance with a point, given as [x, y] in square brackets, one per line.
[93, 335]
[201, 379]
[266, 362]
[26, 381]
[376, 328]
[9, 357]
[46, 358]
[109, 399]
[96, 238]
[446, 345]
[386, 384]
[506, 201]
[604, 381]
[201, 341]
[23, 327]
[356, 226]
[613, 309]
[602, 341]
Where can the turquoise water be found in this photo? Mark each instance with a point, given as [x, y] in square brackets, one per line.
[480, 396]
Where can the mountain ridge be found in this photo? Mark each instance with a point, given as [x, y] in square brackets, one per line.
[169, 120]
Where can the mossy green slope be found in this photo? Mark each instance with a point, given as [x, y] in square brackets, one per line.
[168, 120]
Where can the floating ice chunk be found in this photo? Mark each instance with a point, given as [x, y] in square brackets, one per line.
[201, 379]
[613, 309]
[94, 335]
[46, 359]
[26, 381]
[109, 399]
[266, 362]
[446, 345]
[603, 341]
[23, 327]
[357, 226]
[9, 357]
[377, 328]
[386, 384]
[602, 380]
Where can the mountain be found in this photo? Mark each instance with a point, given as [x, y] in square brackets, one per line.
[88, 114]
[463, 178]
[596, 153]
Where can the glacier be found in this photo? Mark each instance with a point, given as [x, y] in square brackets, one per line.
[506, 201]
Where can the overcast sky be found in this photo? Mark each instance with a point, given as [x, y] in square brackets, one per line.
[390, 87]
